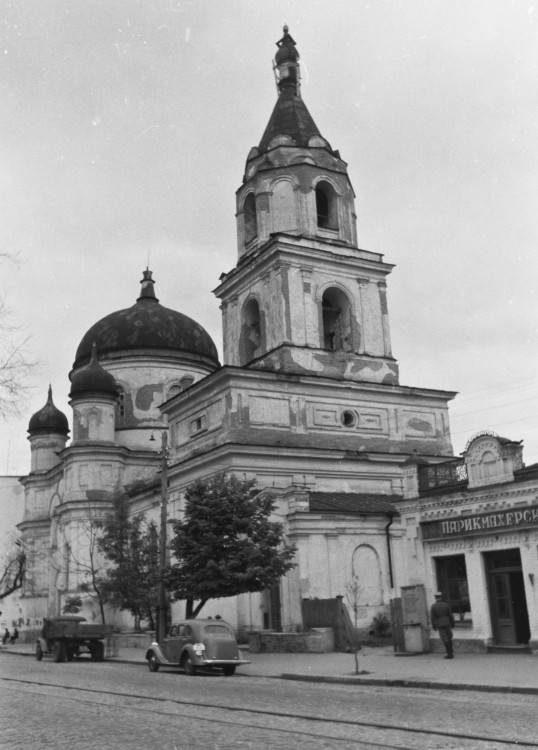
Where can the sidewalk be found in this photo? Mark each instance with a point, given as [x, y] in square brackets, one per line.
[508, 673]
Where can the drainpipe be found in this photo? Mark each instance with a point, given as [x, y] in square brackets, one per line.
[387, 534]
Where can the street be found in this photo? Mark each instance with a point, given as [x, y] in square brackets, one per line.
[86, 704]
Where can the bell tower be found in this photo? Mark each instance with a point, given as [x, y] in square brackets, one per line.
[303, 298]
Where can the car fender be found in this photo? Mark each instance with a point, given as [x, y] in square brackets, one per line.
[157, 651]
[196, 657]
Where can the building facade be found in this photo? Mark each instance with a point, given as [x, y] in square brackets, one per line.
[471, 531]
[307, 402]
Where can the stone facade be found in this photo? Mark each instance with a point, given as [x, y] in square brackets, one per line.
[308, 402]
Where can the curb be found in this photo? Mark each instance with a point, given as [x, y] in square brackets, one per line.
[417, 684]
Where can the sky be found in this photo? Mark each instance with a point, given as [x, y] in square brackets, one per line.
[124, 131]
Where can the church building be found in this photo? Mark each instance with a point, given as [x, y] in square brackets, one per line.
[307, 401]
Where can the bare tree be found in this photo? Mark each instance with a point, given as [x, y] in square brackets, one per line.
[16, 365]
[80, 560]
[353, 595]
[12, 570]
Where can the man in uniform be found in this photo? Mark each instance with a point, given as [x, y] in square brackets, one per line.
[443, 621]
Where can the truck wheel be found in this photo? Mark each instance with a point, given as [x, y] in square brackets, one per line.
[188, 666]
[153, 664]
[38, 652]
[58, 651]
[97, 651]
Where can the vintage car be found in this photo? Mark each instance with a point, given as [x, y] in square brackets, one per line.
[197, 644]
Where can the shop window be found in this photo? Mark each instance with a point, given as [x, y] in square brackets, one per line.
[452, 582]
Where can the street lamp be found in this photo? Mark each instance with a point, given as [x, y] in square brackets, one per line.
[161, 606]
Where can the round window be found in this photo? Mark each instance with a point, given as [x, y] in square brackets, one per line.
[348, 418]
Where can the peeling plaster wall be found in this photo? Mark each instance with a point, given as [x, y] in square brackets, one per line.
[287, 411]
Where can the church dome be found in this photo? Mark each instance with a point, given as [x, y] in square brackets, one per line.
[93, 379]
[148, 327]
[48, 420]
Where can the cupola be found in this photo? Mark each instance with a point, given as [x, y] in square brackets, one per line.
[48, 420]
[93, 379]
[94, 395]
[47, 432]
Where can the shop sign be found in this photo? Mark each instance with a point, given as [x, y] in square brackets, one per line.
[480, 523]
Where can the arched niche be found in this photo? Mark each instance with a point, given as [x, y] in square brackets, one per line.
[283, 207]
[366, 568]
[252, 336]
[336, 314]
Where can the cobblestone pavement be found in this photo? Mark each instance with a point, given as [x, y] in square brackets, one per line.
[83, 705]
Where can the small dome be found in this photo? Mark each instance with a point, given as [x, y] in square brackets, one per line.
[93, 379]
[48, 419]
[147, 326]
[286, 48]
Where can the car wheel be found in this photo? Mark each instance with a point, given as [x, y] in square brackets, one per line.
[58, 651]
[38, 652]
[97, 650]
[153, 664]
[229, 670]
[70, 654]
[188, 666]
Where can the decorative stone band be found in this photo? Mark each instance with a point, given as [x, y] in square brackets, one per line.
[480, 523]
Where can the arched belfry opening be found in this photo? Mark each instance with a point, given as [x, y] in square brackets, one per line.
[252, 334]
[326, 206]
[250, 220]
[336, 317]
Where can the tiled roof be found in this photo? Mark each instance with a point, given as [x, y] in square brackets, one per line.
[290, 117]
[362, 503]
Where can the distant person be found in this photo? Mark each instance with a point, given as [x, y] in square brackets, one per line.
[7, 636]
[14, 636]
[443, 621]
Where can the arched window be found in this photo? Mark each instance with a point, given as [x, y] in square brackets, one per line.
[120, 408]
[326, 206]
[173, 390]
[336, 310]
[249, 218]
[250, 343]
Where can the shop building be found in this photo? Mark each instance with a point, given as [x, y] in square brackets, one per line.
[471, 531]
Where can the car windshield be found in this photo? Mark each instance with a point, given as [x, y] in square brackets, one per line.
[219, 630]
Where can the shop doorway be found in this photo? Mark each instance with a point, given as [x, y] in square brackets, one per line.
[507, 601]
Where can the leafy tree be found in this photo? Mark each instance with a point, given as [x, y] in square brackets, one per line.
[132, 544]
[226, 545]
[12, 570]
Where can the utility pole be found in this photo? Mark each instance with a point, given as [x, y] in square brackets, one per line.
[162, 605]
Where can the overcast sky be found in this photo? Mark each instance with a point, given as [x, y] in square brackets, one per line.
[125, 128]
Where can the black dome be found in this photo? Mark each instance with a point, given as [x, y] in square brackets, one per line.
[93, 379]
[147, 325]
[48, 419]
